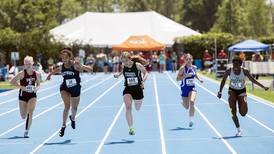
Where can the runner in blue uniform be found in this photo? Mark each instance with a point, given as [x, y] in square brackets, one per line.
[186, 75]
[70, 88]
[132, 69]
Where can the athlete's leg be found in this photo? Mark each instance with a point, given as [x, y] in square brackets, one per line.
[128, 104]
[66, 99]
[74, 106]
[185, 102]
[30, 108]
[242, 103]
[138, 104]
[232, 99]
[191, 96]
[23, 109]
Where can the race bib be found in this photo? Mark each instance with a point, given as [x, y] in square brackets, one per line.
[132, 81]
[71, 83]
[190, 82]
[237, 84]
[30, 88]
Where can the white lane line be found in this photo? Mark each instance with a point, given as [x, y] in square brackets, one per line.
[163, 143]
[251, 96]
[92, 103]
[51, 108]
[43, 98]
[252, 118]
[231, 149]
[109, 130]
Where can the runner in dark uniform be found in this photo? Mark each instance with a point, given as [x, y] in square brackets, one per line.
[132, 69]
[70, 88]
[29, 84]
[237, 90]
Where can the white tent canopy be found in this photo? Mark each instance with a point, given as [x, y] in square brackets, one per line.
[108, 29]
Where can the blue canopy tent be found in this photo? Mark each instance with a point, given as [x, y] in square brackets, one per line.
[249, 46]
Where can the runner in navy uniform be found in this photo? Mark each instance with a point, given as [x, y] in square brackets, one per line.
[70, 88]
[132, 69]
[237, 90]
[29, 84]
[186, 75]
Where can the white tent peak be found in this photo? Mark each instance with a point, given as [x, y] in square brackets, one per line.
[108, 29]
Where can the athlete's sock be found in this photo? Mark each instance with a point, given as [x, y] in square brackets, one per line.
[27, 122]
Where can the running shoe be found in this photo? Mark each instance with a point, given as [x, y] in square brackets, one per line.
[72, 122]
[131, 131]
[26, 134]
[191, 124]
[239, 133]
[62, 131]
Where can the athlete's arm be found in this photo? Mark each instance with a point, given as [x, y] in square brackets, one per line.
[80, 67]
[181, 75]
[116, 75]
[141, 68]
[18, 77]
[38, 76]
[227, 72]
[250, 77]
[55, 71]
[197, 77]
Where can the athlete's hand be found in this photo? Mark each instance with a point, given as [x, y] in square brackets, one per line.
[219, 95]
[77, 60]
[266, 88]
[116, 75]
[142, 84]
[23, 88]
[48, 77]
[201, 81]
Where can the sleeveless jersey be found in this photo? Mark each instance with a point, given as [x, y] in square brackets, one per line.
[189, 81]
[29, 82]
[71, 77]
[237, 81]
[132, 76]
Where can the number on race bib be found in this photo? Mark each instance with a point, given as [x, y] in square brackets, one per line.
[132, 81]
[190, 82]
[30, 88]
[236, 84]
[71, 83]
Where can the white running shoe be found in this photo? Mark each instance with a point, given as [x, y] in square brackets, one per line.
[239, 133]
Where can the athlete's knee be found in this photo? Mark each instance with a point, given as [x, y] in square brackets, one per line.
[191, 103]
[243, 113]
[23, 116]
[128, 107]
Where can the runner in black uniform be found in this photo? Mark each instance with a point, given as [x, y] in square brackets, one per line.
[237, 90]
[132, 69]
[70, 88]
[29, 84]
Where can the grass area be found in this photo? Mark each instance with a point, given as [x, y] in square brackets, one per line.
[6, 85]
[267, 95]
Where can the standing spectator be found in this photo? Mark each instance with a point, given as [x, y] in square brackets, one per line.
[182, 60]
[256, 57]
[222, 55]
[154, 61]
[116, 63]
[50, 65]
[242, 56]
[174, 59]
[207, 61]
[162, 62]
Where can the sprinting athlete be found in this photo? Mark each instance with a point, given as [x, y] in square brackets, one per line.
[186, 75]
[132, 69]
[237, 90]
[70, 88]
[29, 84]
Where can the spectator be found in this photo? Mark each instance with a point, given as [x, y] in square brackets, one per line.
[242, 56]
[222, 55]
[207, 61]
[174, 59]
[256, 57]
